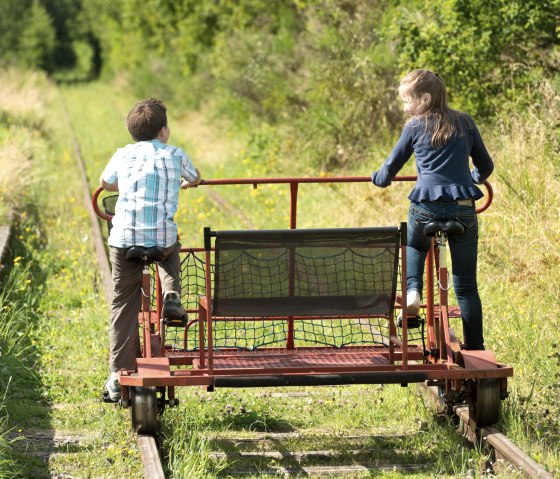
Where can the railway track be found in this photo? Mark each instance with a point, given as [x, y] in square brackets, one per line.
[147, 444]
[503, 449]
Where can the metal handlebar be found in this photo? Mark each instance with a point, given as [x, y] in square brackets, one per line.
[294, 183]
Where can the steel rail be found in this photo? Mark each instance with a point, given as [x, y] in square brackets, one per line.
[150, 457]
[146, 444]
[498, 441]
[97, 237]
[505, 448]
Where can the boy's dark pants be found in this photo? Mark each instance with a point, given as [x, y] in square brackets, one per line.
[127, 282]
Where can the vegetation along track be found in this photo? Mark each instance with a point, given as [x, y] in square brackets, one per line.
[146, 444]
[347, 456]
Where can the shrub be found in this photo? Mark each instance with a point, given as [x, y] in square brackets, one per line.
[487, 50]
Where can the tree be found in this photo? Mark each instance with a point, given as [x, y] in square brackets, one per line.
[12, 15]
[38, 39]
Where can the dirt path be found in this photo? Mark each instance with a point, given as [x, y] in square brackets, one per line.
[211, 142]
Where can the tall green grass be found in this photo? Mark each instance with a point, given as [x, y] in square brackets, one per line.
[22, 116]
[55, 353]
[518, 261]
[17, 352]
[519, 269]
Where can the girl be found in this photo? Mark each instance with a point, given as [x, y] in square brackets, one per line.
[442, 141]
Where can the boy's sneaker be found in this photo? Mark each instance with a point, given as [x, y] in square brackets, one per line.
[112, 390]
[412, 306]
[173, 312]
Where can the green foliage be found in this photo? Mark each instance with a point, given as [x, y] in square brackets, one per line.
[56, 36]
[8, 466]
[12, 22]
[349, 100]
[37, 39]
[318, 72]
[486, 50]
[18, 304]
[323, 71]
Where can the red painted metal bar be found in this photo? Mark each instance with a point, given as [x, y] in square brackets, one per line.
[146, 313]
[444, 319]
[201, 316]
[209, 314]
[293, 225]
[430, 303]
[205, 378]
[404, 314]
[296, 181]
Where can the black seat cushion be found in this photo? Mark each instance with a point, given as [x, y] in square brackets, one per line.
[449, 227]
[141, 253]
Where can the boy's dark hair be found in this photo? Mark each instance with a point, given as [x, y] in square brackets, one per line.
[146, 119]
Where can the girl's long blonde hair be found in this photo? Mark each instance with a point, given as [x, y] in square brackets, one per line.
[444, 122]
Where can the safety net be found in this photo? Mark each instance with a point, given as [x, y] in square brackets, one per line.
[317, 272]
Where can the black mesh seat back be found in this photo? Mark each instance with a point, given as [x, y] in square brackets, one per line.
[324, 272]
[109, 204]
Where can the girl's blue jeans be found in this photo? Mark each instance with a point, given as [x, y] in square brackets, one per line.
[464, 252]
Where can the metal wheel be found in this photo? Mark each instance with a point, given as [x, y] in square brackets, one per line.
[143, 411]
[484, 404]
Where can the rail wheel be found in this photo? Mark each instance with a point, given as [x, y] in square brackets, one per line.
[484, 403]
[143, 411]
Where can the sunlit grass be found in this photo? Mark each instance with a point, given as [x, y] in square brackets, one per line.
[60, 336]
[22, 110]
[17, 351]
[25, 95]
[518, 263]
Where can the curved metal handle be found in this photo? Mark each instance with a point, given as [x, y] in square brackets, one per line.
[94, 202]
[489, 198]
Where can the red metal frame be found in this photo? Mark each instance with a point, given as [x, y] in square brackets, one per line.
[400, 362]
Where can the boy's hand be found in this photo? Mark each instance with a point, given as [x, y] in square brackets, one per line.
[185, 184]
[108, 186]
[192, 184]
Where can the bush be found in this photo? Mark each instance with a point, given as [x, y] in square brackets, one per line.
[487, 50]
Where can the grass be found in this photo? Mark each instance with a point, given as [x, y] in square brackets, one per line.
[15, 375]
[63, 334]
[60, 337]
[520, 254]
[340, 420]
[22, 116]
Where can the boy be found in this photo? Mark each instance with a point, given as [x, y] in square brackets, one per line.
[147, 174]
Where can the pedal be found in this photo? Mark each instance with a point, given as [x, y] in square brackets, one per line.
[414, 322]
[175, 322]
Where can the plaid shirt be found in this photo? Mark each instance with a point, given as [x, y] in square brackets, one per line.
[149, 178]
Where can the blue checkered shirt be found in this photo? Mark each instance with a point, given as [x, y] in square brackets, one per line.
[149, 178]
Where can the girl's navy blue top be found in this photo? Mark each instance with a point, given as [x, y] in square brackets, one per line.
[443, 173]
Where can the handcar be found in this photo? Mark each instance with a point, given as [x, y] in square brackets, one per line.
[304, 307]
